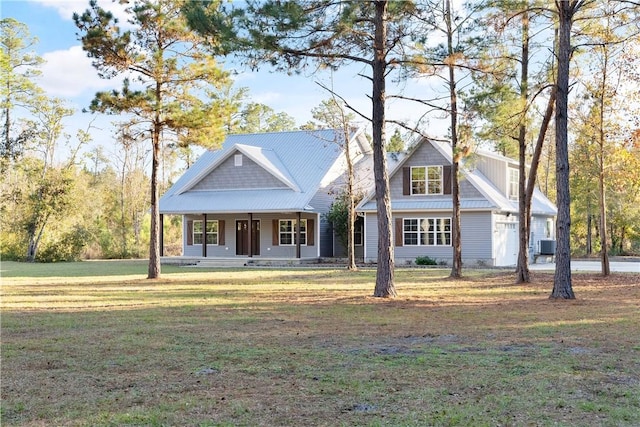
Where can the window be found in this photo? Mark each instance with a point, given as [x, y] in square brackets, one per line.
[548, 229]
[514, 183]
[358, 231]
[288, 232]
[427, 232]
[426, 180]
[237, 160]
[212, 232]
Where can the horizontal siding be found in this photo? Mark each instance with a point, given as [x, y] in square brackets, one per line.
[476, 234]
[539, 232]
[267, 250]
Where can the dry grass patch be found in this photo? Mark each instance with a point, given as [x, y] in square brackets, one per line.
[311, 347]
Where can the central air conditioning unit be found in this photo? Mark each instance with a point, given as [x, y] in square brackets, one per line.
[547, 247]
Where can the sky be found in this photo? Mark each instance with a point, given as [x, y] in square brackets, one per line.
[68, 72]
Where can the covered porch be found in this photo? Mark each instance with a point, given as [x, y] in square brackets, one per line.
[246, 237]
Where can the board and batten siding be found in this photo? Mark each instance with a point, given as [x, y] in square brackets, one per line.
[228, 176]
[267, 247]
[495, 170]
[476, 232]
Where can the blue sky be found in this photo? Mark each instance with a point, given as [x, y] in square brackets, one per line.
[68, 72]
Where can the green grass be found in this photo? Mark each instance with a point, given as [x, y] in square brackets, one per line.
[96, 344]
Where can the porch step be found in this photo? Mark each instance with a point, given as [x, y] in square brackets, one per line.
[219, 262]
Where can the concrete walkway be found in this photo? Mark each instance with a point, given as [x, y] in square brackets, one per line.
[581, 265]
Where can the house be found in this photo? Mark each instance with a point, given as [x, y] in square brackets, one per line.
[263, 196]
[421, 205]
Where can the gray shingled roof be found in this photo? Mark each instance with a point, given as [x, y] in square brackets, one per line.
[300, 159]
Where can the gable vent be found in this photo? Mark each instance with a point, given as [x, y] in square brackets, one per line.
[237, 160]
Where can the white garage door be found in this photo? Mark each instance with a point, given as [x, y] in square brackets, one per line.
[506, 243]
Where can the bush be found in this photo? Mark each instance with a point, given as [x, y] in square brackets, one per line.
[425, 260]
[68, 248]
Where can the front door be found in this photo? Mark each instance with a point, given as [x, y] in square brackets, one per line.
[242, 237]
[243, 246]
[255, 237]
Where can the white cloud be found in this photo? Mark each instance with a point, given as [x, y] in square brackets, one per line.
[66, 8]
[69, 73]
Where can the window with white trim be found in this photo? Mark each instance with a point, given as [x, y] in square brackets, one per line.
[212, 232]
[426, 231]
[287, 232]
[514, 183]
[549, 229]
[426, 180]
[358, 231]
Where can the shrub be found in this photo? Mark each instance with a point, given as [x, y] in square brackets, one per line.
[425, 260]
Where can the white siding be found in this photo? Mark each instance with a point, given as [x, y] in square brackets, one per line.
[495, 170]
[539, 232]
[475, 233]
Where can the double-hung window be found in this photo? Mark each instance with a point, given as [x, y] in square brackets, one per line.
[287, 232]
[426, 180]
[358, 232]
[211, 232]
[427, 231]
[514, 183]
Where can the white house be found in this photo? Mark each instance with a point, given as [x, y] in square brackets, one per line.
[421, 204]
[263, 196]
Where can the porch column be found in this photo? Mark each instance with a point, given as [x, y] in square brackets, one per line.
[161, 235]
[298, 235]
[250, 235]
[204, 235]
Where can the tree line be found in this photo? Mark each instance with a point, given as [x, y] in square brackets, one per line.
[553, 84]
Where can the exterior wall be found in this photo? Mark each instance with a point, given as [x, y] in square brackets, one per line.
[505, 239]
[228, 176]
[322, 202]
[427, 155]
[334, 184]
[539, 232]
[267, 249]
[476, 232]
[495, 170]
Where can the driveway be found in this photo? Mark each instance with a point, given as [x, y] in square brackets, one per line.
[630, 266]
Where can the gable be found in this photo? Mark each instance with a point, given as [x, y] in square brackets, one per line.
[280, 172]
[229, 175]
[427, 154]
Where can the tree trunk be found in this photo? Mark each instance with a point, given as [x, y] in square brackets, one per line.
[533, 173]
[604, 254]
[351, 216]
[385, 272]
[522, 269]
[562, 288]
[589, 245]
[154, 241]
[456, 247]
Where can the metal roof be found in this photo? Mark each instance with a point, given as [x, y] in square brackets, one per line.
[300, 159]
[494, 198]
[430, 205]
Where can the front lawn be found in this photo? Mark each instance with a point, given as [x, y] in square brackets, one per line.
[97, 344]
